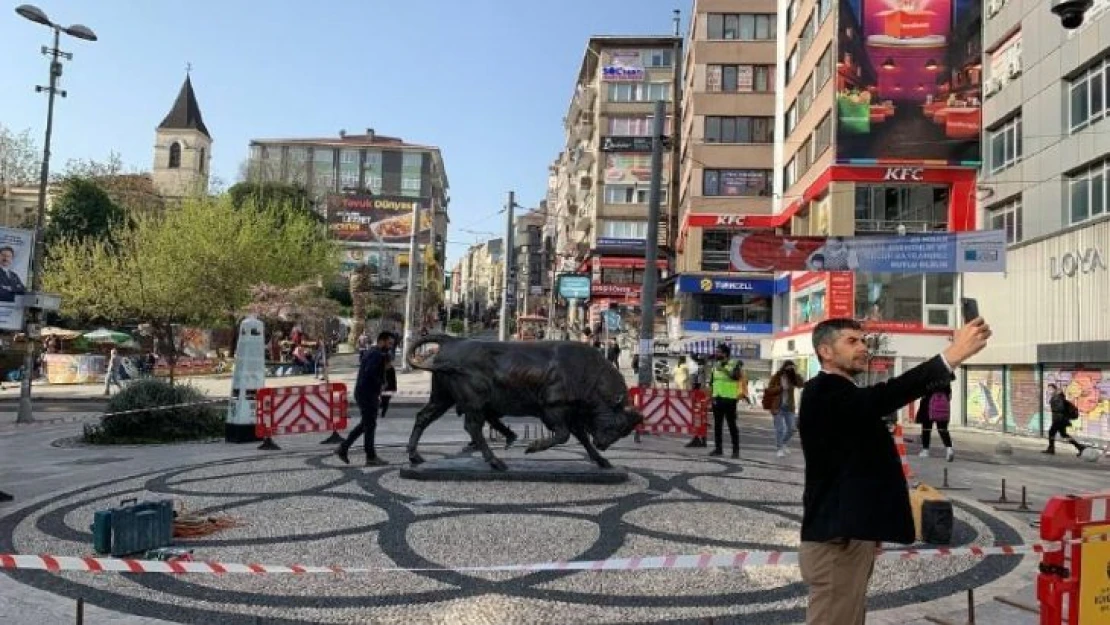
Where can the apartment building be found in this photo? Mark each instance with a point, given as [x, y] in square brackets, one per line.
[881, 110]
[480, 282]
[1044, 181]
[367, 187]
[604, 170]
[727, 175]
[532, 254]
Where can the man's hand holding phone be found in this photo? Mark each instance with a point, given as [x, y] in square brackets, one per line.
[967, 341]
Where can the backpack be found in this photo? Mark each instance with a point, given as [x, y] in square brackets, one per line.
[939, 409]
[1070, 410]
[772, 397]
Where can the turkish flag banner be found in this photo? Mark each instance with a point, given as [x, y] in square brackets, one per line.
[767, 252]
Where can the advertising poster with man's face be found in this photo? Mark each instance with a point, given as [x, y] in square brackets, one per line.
[16, 247]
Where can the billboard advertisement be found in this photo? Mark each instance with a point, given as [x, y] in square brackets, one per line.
[982, 251]
[909, 82]
[367, 218]
[16, 248]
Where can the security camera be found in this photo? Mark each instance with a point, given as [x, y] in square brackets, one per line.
[1071, 12]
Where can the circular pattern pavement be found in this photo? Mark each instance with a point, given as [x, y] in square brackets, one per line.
[307, 508]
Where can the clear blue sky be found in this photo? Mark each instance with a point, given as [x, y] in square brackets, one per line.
[486, 80]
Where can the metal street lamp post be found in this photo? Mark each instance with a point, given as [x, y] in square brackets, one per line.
[78, 31]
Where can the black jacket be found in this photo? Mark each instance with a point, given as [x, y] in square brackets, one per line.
[371, 375]
[854, 487]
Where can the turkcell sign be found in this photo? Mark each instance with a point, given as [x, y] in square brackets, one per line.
[574, 286]
[708, 284]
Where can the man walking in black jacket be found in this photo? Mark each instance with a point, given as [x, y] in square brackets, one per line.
[855, 495]
[368, 390]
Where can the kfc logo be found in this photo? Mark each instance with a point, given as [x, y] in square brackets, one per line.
[904, 174]
[730, 220]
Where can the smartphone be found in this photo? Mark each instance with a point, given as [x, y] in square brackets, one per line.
[970, 309]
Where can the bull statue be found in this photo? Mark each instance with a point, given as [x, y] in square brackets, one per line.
[568, 385]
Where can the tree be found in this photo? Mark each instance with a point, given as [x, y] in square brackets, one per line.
[20, 158]
[360, 288]
[194, 265]
[133, 191]
[305, 304]
[269, 194]
[83, 211]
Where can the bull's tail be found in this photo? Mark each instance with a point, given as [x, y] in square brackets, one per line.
[431, 339]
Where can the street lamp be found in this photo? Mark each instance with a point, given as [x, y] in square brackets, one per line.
[78, 31]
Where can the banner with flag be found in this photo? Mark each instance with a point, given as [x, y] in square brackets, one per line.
[981, 251]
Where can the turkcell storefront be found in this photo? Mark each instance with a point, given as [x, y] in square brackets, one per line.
[1050, 313]
[715, 309]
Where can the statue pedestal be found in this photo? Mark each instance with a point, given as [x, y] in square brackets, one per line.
[478, 470]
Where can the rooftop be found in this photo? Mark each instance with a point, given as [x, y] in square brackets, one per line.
[185, 114]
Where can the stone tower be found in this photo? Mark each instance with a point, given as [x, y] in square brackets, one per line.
[182, 148]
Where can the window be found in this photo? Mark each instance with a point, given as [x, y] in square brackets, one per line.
[739, 129]
[624, 229]
[1087, 193]
[791, 118]
[920, 208]
[175, 155]
[631, 194]
[792, 63]
[824, 69]
[200, 164]
[791, 13]
[323, 157]
[740, 78]
[298, 155]
[1007, 217]
[630, 126]
[639, 92]
[1089, 96]
[822, 136]
[737, 182]
[412, 161]
[410, 185]
[731, 308]
[623, 275]
[805, 97]
[895, 297]
[806, 38]
[790, 173]
[823, 9]
[662, 57]
[348, 157]
[804, 155]
[1005, 142]
[743, 26]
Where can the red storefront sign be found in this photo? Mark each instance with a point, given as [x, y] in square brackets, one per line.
[840, 300]
[615, 290]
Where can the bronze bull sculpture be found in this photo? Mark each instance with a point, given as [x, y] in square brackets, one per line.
[568, 385]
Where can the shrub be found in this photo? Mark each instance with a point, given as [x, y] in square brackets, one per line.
[139, 424]
[455, 326]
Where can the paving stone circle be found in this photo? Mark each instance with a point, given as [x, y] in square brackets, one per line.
[307, 508]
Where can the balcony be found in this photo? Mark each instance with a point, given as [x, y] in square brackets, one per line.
[874, 226]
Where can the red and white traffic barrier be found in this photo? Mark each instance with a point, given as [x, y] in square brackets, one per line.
[729, 559]
[672, 411]
[300, 409]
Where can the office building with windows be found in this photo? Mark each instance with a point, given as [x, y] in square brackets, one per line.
[366, 187]
[726, 175]
[1046, 164]
[601, 179]
[881, 110]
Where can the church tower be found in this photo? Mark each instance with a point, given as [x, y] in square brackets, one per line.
[182, 148]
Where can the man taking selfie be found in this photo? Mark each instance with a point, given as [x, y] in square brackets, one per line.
[855, 495]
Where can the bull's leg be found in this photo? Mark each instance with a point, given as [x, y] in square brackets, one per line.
[433, 410]
[556, 420]
[474, 423]
[580, 433]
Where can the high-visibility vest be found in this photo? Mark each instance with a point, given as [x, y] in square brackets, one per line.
[722, 385]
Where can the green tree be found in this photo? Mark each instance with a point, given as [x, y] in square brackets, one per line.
[20, 159]
[270, 194]
[83, 211]
[194, 265]
[133, 191]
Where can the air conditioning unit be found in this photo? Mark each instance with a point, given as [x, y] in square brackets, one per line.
[991, 87]
[1014, 70]
[993, 7]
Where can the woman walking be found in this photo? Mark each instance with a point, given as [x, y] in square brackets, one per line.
[936, 408]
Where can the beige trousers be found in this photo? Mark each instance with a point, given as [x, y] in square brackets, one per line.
[837, 574]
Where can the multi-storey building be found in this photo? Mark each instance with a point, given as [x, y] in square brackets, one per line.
[481, 282]
[728, 136]
[367, 187]
[881, 122]
[606, 168]
[531, 256]
[1044, 181]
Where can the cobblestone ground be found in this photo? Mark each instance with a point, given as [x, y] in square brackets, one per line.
[302, 506]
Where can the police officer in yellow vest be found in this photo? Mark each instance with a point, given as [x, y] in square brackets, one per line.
[727, 384]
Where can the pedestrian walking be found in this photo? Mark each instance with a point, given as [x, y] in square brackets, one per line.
[936, 408]
[613, 353]
[855, 495]
[725, 385]
[111, 375]
[389, 386]
[779, 399]
[1063, 413]
[368, 390]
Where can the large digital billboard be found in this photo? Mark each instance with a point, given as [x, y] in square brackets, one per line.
[909, 82]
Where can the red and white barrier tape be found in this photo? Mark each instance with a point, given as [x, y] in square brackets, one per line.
[731, 560]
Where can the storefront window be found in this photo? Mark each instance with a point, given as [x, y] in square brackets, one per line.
[889, 297]
[731, 308]
[714, 250]
[623, 275]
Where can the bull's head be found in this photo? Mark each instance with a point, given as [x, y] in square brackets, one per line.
[612, 426]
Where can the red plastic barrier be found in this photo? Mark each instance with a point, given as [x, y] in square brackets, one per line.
[672, 411]
[300, 409]
[1073, 586]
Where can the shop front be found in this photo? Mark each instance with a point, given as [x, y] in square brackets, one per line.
[1050, 314]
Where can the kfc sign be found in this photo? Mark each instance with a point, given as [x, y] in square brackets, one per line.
[717, 221]
[904, 174]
